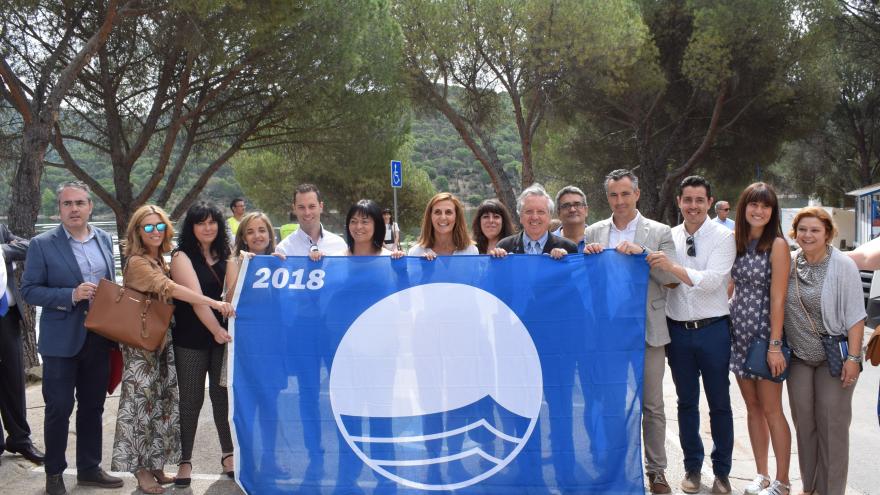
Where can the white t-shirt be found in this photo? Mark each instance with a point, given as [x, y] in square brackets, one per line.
[419, 250]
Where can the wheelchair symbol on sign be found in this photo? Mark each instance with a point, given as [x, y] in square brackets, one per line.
[396, 174]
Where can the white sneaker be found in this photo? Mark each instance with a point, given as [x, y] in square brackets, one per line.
[759, 483]
[776, 488]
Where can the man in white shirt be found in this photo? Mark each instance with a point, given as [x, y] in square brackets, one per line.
[628, 232]
[699, 327]
[722, 211]
[311, 235]
[310, 239]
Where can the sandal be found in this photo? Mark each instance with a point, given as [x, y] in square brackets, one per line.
[231, 472]
[183, 482]
[151, 489]
[161, 477]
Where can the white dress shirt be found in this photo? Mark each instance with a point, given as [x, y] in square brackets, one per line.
[709, 271]
[616, 236]
[299, 244]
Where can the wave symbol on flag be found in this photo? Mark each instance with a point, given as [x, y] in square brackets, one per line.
[437, 387]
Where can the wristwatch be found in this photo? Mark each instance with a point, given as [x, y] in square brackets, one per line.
[855, 359]
[775, 342]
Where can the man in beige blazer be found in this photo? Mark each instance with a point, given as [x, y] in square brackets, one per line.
[628, 232]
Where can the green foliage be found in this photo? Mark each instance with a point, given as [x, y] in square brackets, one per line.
[760, 66]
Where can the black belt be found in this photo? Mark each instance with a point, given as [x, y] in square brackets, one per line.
[695, 324]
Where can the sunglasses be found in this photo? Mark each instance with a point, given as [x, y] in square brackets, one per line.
[148, 228]
[692, 249]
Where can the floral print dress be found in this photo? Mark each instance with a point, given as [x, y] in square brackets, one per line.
[148, 421]
[750, 309]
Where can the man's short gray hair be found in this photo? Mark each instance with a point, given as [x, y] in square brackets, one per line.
[718, 204]
[534, 190]
[76, 184]
[571, 190]
[622, 173]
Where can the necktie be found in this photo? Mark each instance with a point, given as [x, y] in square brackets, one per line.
[4, 304]
[533, 247]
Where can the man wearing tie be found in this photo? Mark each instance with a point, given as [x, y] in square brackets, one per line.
[535, 210]
[62, 271]
[12, 397]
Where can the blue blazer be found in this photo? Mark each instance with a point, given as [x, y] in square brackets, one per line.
[51, 273]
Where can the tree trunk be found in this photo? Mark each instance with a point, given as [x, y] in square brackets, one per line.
[25, 205]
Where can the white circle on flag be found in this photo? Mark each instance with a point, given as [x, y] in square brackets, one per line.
[432, 349]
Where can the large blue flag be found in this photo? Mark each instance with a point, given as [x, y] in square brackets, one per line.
[466, 374]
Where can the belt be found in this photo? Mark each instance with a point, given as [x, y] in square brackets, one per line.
[696, 324]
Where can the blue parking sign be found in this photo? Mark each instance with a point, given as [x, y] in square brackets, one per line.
[396, 174]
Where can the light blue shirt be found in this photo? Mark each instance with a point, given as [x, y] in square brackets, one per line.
[89, 257]
[534, 247]
[581, 244]
[730, 224]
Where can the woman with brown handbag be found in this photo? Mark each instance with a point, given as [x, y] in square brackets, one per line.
[148, 406]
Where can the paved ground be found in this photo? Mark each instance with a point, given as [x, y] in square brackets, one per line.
[20, 477]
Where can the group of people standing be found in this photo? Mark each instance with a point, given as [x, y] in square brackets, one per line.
[712, 291]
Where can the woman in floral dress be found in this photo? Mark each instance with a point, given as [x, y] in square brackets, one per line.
[147, 424]
[760, 279]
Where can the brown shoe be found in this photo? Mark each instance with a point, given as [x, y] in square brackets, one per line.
[691, 482]
[721, 485]
[657, 483]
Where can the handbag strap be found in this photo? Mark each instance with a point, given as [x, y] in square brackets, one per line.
[797, 286]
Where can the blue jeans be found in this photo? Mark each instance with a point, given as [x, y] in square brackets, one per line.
[692, 353]
[84, 377]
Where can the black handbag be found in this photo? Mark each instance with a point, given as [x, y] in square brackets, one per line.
[835, 355]
[756, 360]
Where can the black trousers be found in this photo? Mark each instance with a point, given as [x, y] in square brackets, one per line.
[84, 375]
[12, 403]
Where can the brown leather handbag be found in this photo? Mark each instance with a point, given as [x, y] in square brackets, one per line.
[128, 316]
[872, 355]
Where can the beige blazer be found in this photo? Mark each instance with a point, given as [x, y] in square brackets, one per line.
[654, 236]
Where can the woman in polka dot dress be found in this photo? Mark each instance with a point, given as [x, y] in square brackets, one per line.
[760, 279]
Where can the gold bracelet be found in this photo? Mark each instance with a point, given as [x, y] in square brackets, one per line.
[775, 352]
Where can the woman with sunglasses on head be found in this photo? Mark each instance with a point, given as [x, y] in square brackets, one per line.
[200, 336]
[491, 224]
[147, 422]
[760, 280]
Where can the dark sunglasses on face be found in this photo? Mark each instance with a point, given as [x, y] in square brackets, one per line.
[148, 228]
[692, 250]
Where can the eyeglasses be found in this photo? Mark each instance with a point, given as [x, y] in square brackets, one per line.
[148, 228]
[692, 249]
[723, 209]
[577, 205]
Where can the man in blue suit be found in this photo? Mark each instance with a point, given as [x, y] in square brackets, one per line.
[62, 271]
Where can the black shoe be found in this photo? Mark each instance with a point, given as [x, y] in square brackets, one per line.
[231, 472]
[29, 452]
[98, 477]
[55, 484]
[183, 482]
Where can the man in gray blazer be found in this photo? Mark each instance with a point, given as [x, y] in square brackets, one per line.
[61, 274]
[628, 232]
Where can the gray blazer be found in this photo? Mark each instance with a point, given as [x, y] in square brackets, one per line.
[655, 236]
